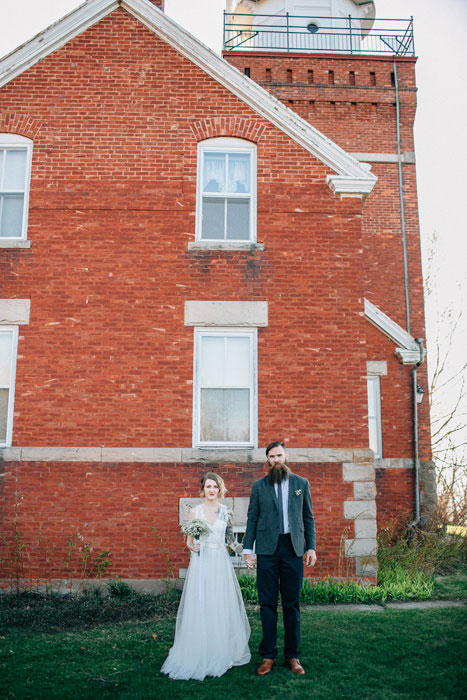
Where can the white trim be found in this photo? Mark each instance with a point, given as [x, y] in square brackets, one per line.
[16, 142]
[260, 100]
[253, 386]
[226, 313]
[407, 351]
[13, 330]
[226, 146]
[15, 311]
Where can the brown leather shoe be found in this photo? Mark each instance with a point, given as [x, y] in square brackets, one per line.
[266, 667]
[295, 666]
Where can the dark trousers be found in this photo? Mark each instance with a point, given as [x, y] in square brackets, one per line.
[281, 571]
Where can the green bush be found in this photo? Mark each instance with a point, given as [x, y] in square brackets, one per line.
[119, 589]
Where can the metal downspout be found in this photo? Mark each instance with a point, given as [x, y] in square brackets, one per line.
[419, 341]
[416, 519]
[401, 199]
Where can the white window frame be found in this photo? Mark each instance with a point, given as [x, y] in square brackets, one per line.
[374, 391]
[252, 334]
[13, 330]
[226, 145]
[18, 143]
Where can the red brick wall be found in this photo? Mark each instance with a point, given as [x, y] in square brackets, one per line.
[358, 111]
[112, 205]
[395, 497]
[115, 506]
[115, 116]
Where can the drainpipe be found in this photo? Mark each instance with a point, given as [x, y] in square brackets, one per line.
[416, 520]
[419, 341]
[401, 198]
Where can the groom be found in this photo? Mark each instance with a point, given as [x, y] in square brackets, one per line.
[280, 520]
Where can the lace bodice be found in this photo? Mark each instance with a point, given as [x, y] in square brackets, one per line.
[221, 530]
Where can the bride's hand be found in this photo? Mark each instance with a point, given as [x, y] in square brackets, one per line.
[194, 547]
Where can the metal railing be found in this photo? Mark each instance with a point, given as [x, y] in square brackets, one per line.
[318, 34]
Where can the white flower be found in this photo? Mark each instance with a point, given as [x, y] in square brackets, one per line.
[298, 492]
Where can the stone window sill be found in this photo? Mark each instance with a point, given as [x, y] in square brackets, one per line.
[224, 245]
[14, 244]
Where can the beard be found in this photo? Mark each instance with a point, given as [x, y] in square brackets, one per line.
[277, 474]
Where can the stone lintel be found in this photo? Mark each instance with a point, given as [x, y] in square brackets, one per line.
[226, 313]
[377, 368]
[14, 312]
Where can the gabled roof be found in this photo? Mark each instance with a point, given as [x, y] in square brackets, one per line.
[408, 351]
[351, 179]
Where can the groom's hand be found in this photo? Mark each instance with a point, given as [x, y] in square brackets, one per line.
[250, 561]
[310, 557]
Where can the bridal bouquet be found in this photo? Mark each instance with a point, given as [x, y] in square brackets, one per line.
[195, 528]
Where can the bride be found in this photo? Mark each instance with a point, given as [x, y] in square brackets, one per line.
[212, 628]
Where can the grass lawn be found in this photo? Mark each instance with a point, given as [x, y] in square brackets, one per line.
[453, 586]
[408, 655]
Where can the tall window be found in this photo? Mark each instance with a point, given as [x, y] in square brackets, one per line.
[374, 416]
[226, 190]
[8, 345]
[225, 387]
[15, 168]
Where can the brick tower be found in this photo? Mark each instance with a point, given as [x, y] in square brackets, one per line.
[353, 77]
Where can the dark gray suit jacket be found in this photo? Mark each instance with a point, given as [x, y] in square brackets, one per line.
[263, 517]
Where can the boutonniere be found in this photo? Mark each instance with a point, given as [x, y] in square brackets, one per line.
[298, 492]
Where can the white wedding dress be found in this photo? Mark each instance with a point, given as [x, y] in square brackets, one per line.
[212, 629]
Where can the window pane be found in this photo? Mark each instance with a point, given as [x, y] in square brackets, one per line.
[11, 222]
[3, 413]
[225, 415]
[5, 357]
[239, 173]
[214, 172]
[238, 362]
[15, 170]
[372, 396]
[213, 218]
[237, 415]
[238, 219]
[212, 369]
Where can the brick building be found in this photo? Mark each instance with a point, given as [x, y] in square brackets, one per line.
[201, 254]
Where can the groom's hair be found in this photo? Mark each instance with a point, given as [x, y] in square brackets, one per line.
[274, 444]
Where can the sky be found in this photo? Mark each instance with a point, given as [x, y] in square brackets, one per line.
[440, 28]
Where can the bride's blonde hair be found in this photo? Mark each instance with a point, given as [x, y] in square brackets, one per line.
[219, 481]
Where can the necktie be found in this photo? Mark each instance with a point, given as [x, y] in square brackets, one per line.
[281, 508]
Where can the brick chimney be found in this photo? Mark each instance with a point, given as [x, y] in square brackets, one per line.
[158, 3]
